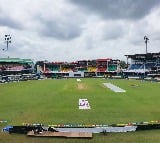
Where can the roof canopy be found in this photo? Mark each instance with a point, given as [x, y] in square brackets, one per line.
[144, 56]
[16, 60]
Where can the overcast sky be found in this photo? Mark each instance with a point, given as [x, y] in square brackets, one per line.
[71, 30]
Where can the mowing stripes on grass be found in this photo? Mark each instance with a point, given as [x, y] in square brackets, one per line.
[114, 87]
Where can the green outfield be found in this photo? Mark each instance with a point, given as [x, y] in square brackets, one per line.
[55, 101]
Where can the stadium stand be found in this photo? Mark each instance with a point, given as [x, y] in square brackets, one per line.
[91, 66]
[81, 68]
[143, 65]
[15, 69]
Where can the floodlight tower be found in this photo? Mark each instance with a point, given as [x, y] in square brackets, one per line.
[146, 39]
[7, 40]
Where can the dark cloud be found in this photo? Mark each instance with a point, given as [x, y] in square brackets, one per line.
[9, 22]
[118, 9]
[59, 29]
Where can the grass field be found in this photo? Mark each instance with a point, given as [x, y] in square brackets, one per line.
[56, 102]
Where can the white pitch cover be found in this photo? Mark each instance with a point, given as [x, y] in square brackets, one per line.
[84, 104]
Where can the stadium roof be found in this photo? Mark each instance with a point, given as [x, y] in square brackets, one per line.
[103, 60]
[144, 56]
[15, 60]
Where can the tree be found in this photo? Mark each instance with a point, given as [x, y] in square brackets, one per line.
[123, 64]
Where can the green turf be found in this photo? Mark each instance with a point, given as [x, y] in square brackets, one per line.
[56, 102]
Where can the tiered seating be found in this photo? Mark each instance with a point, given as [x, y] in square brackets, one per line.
[68, 67]
[66, 70]
[112, 67]
[149, 65]
[141, 66]
[135, 66]
[16, 68]
[101, 69]
[101, 65]
[55, 68]
[82, 69]
[91, 69]
[158, 65]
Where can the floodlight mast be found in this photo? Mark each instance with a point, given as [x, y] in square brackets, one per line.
[146, 39]
[7, 40]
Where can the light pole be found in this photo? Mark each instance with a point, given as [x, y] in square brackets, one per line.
[146, 40]
[7, 40]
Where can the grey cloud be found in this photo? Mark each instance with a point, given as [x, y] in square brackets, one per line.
[9, 22]
[63, 28]
[62, 31]
[118, 9]
[114, 31]
[155, 36]
[137, 41]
